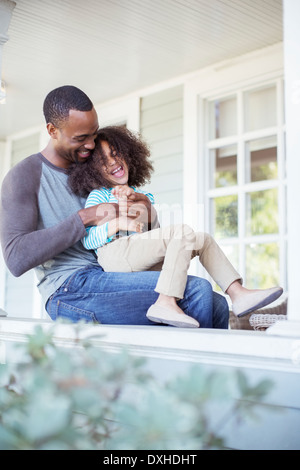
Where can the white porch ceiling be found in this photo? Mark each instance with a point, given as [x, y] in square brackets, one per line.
[110, 48]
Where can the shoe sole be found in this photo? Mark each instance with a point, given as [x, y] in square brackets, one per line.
[178, 324]
[262, 303]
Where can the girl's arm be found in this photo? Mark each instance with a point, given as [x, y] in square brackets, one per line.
[99, 220]
[139, 205]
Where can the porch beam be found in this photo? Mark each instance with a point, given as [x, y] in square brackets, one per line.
[291, 37]
[292, 110]
[6, 9]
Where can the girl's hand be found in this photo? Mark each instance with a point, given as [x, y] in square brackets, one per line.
[122, 191]
[130, 225]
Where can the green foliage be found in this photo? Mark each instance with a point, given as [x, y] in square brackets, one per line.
[78, 398]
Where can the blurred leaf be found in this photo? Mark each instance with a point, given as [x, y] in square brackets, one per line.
[46, 416]
[85, 398]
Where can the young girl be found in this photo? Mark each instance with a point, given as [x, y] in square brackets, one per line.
[118, 167]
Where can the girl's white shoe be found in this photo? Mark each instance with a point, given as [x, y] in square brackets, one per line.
[159, 314]
[255, 299]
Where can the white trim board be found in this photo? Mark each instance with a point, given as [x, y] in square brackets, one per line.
[237, 348]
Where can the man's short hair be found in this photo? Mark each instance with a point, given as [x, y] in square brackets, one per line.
[60, 101]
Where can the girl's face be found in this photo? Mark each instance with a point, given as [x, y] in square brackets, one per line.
[115, 170]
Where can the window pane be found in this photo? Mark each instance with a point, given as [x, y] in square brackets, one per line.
[261, 159]
[262, 261]
[225, 216]
[262, 212]
[260, 108]
[223, 167]
[222, 118]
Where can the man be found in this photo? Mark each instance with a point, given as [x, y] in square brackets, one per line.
[43, 222]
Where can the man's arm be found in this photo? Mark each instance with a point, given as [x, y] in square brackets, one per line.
[99, 214]
[24, 246]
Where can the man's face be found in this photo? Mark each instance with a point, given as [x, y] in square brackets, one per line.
[75, 139]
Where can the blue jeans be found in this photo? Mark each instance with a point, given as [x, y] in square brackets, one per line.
[92, 295]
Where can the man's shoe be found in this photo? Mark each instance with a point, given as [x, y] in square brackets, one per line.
[255, 299]
[159, 314]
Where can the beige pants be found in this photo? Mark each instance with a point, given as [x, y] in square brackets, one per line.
[172, 248]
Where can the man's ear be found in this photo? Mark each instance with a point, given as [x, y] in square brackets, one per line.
[52, 130]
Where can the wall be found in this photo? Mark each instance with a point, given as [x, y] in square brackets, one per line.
[292, 99]
[161, 124]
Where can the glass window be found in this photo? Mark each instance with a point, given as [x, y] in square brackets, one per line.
[225, 219]
[262, 212]
[260, 108]
[261, 160]
[223, 118]
[262, 265]
[223, 166]
[247, 183]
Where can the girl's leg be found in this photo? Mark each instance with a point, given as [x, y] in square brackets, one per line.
[214, 261]
[141, 252]
[245, 300]
[221, 270]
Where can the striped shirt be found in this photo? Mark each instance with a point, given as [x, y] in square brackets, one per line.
[97, 235]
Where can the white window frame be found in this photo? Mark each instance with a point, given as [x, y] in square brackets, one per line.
[244, 188]
[220, 80]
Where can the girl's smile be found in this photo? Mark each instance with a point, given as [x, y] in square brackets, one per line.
[116, 170]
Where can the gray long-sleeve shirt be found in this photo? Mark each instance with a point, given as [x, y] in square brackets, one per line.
[40, 225]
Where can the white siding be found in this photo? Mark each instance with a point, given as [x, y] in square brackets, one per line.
[162, 127]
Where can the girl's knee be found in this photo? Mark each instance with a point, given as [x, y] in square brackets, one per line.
[204, 239]
[183, 231]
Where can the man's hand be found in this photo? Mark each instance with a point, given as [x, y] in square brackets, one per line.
[130, 225]
[99, 214]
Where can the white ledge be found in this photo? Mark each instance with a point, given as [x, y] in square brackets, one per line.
[238, 348]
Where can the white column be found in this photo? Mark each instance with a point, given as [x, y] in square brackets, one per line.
[291, 36]
[292, 109]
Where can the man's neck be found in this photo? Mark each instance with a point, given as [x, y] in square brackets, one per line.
[52, 156]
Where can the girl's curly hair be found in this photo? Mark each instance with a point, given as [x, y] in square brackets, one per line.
[124, 145]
